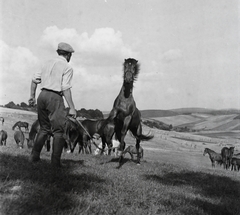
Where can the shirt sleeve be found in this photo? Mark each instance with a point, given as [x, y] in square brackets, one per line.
[67, 79]
[37, 77]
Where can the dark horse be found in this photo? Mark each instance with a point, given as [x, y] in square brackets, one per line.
[214, 156]
[20, 124]
[84, 136]
[227, 154]
[235, 163]
[32, 135]
[2, 119]
[19, 138]
[124, 113]
[3, 137]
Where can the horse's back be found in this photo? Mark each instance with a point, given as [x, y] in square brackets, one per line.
[3, 136]
[19, 136]
[91, 126]
[3, 133]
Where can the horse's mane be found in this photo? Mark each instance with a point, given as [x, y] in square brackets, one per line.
[210, 150]
[137, 67]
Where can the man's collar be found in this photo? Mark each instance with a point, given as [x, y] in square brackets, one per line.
[62, 58]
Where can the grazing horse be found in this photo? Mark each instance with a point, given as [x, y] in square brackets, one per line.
[235, 163]
[133, 150]
[19, 138]
[91, 127]
[124, 113]
[2, 119]
[227, 154]
[20, 124]
[33, 133]
[214, 156]
[3, 137]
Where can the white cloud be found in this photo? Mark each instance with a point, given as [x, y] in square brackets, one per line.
[172, 55]
[17, 65]
[103, 47]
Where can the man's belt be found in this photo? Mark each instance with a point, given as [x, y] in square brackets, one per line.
[59, 93]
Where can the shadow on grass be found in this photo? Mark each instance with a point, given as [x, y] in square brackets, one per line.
[218, 194]
[116, 160]
[37, 188]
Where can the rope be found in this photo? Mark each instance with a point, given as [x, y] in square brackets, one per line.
[79, 123]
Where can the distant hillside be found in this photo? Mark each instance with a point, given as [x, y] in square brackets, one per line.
[205, 111]
[224, 122]
[157, 113]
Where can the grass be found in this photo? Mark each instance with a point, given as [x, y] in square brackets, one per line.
[93, 185]
[174, 178]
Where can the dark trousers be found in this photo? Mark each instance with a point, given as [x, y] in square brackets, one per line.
[52, 118]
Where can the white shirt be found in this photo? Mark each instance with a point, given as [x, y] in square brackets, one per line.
[55, 75]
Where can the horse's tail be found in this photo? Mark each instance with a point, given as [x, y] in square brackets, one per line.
[146, 137]
[14, 126]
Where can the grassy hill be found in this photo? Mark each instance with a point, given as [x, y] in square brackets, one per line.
[197, 118]
[157, 113]
[174, 177]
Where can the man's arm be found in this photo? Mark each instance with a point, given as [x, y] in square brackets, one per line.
[68, 96]
[32, 99]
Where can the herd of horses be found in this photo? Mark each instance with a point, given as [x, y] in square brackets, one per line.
[123, 117]
[18, 134]
[225, 158]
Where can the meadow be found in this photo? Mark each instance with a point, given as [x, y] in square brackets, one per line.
[174, 178]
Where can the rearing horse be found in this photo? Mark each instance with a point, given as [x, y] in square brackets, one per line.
[124, 113]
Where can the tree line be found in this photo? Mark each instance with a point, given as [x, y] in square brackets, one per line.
[89, 114]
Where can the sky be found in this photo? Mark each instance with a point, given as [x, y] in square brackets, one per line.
[188, 50]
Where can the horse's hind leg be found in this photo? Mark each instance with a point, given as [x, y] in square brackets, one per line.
[48, 143]
[138, 153]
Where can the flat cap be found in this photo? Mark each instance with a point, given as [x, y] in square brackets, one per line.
[65, 47]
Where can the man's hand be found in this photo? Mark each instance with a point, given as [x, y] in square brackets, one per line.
[32, 102]
[72, 113]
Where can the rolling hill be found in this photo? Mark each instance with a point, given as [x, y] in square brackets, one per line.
[197, 118]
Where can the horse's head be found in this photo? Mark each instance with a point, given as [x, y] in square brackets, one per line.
[131, 70]
[71, 134]
[205, 151]
[231, 150]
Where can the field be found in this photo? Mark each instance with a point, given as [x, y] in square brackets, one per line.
[174, 177]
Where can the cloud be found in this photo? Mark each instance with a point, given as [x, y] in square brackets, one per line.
[105, 46]
[17, 65]
[172, 55]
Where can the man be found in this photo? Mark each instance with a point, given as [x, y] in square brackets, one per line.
[55, 78]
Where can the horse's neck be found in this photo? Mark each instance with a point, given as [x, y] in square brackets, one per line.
[211, 150]
[32, 134]
[126, 90]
